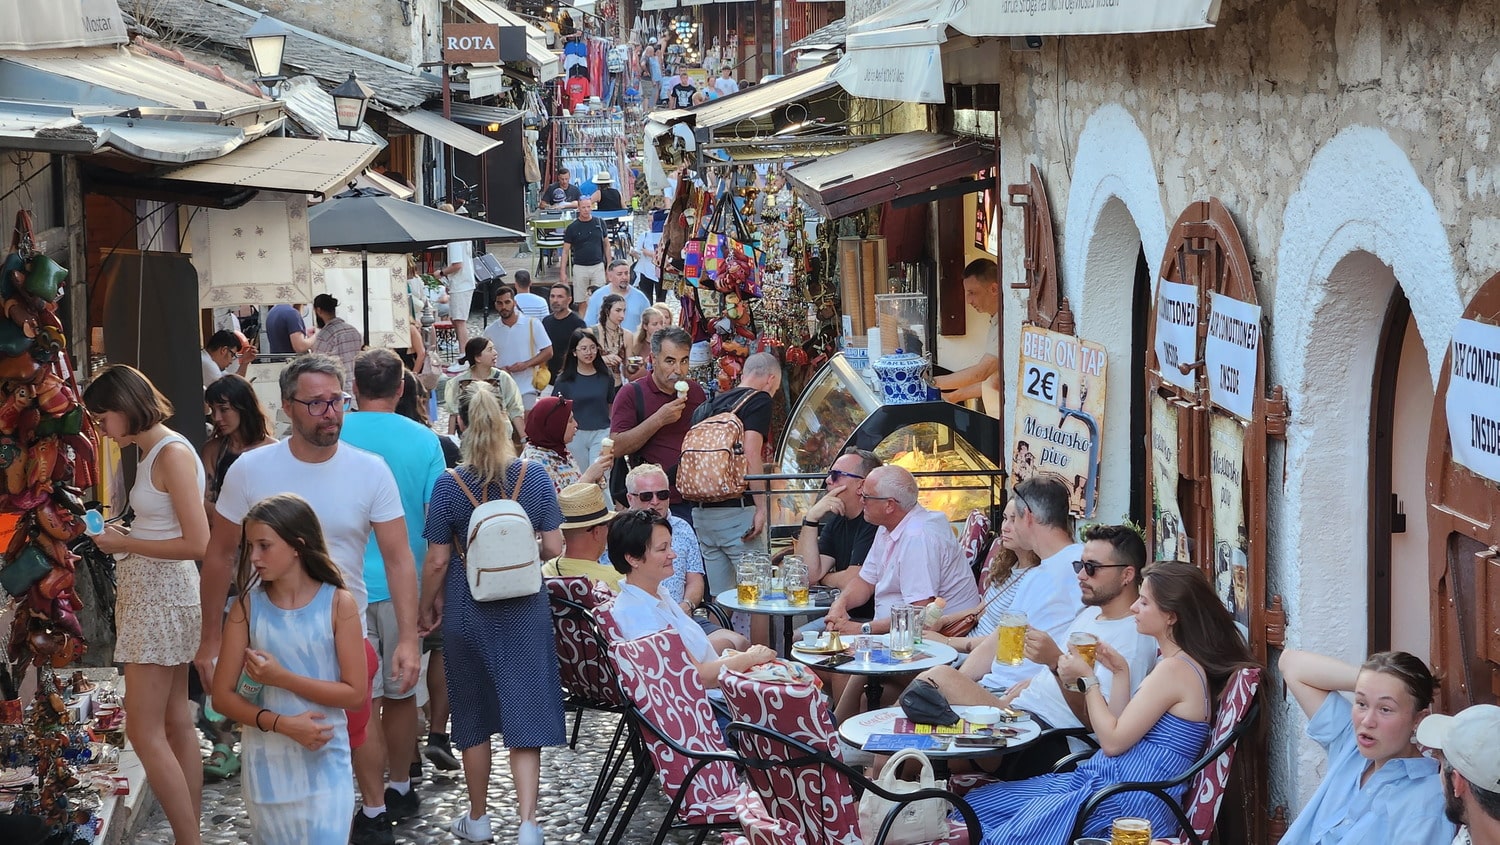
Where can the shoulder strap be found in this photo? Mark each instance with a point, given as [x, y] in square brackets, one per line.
[749, 394]
[516, 492]
[640, 402]
[464, 487]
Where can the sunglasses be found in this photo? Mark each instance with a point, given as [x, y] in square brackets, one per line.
[1093, 567]
[653, 495]
[837, 475]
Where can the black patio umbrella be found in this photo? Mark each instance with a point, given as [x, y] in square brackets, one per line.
[373, 221]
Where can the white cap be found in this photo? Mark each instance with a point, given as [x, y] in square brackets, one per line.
[1470, 742]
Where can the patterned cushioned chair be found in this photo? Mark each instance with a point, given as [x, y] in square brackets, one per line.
[1208, 777]
[974, 537]
[758, 825]
[587, 678]
[670, 708]
[791, 757]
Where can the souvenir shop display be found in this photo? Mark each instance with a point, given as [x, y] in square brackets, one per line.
[48, 450]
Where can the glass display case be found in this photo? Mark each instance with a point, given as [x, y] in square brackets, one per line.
[839, 409]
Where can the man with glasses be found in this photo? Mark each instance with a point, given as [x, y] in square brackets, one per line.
[353, 493]
[1108, 579]
[646, 488]
[835, 537]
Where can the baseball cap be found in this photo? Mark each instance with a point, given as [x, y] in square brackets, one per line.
[1470, 742]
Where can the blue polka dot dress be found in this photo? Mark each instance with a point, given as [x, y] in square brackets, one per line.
[500, 655]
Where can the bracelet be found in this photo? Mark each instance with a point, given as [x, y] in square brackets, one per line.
[812, 523]
[274, 722]
[257, 719]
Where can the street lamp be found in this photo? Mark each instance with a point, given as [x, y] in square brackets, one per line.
[349, 103]
[267, 40]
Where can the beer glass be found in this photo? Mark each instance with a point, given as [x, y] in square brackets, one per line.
[1084, 643]
[1131, 831]
[901, 634]
[794, 577]
[752, 577]
[1010, 642]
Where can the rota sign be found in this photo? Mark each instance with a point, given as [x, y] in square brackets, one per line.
[471, 43]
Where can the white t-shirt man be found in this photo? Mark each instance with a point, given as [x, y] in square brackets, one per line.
[514, 344]
[531, 305]
[211, 370]
[726, 85]
[461, 283]
[351, 493]
[989, 390]
[1044, 697]
[1050, 597]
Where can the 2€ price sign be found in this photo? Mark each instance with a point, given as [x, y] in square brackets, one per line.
[1040, 382]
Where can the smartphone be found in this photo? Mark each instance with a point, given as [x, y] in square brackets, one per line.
[836, 660]
[973, 741]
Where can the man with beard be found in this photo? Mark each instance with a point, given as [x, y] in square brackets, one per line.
[354, 493]
[521, 344]
[1470, 746]
[1109, 578]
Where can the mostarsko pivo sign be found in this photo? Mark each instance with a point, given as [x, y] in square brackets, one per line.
[471, 43]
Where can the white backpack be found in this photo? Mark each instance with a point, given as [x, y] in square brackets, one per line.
[501, 556]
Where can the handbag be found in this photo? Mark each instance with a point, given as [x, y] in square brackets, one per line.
[924, 704]
[963, 624]
[919, 821]
[541, 376]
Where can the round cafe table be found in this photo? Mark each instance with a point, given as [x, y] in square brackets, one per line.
[857, 729]
[730, 600]
[877, 670]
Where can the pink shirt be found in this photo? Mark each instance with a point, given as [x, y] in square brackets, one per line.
[919, 560]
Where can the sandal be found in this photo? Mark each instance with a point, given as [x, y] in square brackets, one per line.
[222, 764]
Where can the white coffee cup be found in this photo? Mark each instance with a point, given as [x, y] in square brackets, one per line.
[810, 638]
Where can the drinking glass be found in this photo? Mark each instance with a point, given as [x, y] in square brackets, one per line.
[752, 579]
[1084, 643]
[794, 577]
[862, 647]
[1131, 831]
[1010, 645]
[901, 634]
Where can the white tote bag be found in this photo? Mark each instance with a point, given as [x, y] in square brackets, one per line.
[919, 821]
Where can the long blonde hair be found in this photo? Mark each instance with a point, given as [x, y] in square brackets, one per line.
[486, 448]
[643, 340]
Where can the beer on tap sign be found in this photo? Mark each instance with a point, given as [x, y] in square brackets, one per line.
[1060, 413]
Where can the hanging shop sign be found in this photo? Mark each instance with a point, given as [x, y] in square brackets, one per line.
[1473, 400]
[471, 43]
[1226, 457]
[1166, 514]
[1060, 410]
[1232, 354]
[1176, 331]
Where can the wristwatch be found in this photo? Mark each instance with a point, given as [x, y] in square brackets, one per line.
[812, 523]
[864, 628]
[1086, 683]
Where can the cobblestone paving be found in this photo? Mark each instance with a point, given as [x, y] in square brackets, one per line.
[567, 776]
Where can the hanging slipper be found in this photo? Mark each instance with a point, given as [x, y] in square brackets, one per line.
[222, 764]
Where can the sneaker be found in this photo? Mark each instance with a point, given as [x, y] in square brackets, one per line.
[441, 754]
[368, 831]
[414, 774]
[472, 830]
[401, 807]
[531, 834]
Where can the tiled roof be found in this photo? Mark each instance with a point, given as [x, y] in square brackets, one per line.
[831, 35]
[220, 25]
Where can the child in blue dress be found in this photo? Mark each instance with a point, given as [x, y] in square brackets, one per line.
[291, 663]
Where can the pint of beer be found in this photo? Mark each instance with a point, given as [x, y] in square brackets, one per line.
[1130, 831]
[1084, 643]
[1010, 642]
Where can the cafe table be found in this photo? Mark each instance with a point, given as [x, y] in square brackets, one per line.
[856, 730]
[774, 607]
[881, 665]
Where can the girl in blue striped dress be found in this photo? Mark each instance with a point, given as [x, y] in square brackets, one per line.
[1152, 735]
[291, 663]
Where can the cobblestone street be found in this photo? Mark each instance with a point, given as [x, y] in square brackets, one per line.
[567, 776]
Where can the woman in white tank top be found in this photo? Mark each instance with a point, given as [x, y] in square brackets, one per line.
[158, 617]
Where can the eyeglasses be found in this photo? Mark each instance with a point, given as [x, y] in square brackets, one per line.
[653, 495]
[1092, 567]
[321, 407]
[865, 498]
[837, 475]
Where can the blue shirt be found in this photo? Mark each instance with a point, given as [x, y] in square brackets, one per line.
[635, 303]
[1401, 802]
[415, 457]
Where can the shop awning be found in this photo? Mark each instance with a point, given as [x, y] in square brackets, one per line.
[60, 23]
[889, 169]
[471, 114]
[755, 101]
[124, 77]
[537, 53]
[900, 52]
[292, 165]
[371, 179]
[86, 130]
[440, 128]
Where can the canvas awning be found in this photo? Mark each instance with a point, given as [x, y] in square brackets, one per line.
[436, 126]
[291, 165]
[889, 169]
[906, 51]
[60, 23]
[753, 102]
[538, 54]
[124, 77]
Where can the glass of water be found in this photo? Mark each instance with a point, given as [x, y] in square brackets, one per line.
[862, 647]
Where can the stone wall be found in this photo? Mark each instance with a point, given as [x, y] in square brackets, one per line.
[379, 26]
[1351, 140]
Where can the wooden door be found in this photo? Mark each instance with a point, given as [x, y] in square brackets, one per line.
[1463, 516]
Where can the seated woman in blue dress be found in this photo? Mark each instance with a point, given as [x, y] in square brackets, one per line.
[1379, 787]
[1152, 735]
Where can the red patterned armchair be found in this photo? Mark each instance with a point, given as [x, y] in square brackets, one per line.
[1207, 778]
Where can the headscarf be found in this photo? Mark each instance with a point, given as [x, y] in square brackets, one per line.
[547, 424]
